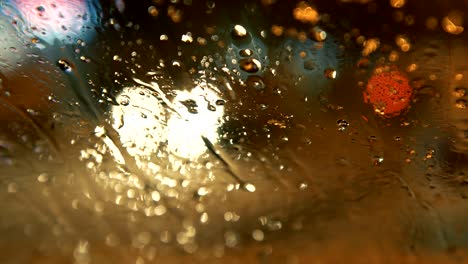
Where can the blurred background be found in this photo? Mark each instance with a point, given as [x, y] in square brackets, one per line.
[270, 131]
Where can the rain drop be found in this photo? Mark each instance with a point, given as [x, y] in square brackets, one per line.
[220, 102]
[303, 186]
[191, 106]
[64, 65]
[124, 100]
[239, 31]
[460, 104]
[330, 74]
[318, 34]
[211, 107]
[245, 52]
[459, 92]
[250, 65]
[342, 124]
[377, 160]
[249, 187]
[255, 82]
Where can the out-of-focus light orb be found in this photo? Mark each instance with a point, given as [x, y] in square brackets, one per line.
[185, 131]
[453, 23]
[306, 13]
[147, 128]
[52, 20]
[139, 119]
[370, 46]
[397, 3]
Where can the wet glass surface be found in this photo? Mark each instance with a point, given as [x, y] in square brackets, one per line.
[233, 131]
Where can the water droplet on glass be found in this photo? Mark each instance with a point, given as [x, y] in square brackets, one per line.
[211, 107]
[64, 65]
[191, 106]
[239, 31]
[319, 34]
[460, 104]
[245, 52]
[303, 186]
[330, 74]
[249, 187]
[124, 100]
[220, 102]
[377, 160]
[263, 106]
[453, 22]
[250, 65]
[255, 82]
[342, 124]
[459, 92]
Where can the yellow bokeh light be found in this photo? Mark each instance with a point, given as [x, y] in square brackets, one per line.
[305, 13]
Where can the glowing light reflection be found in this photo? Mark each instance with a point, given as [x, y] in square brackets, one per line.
[185, 131]
[147, 128]
[51, 20]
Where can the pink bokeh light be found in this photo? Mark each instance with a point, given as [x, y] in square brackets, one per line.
[51, 20]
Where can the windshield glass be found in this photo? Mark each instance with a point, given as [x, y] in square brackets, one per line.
[267, 131]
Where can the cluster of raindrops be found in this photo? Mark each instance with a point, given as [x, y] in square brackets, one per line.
[246, 55]
[163, 150]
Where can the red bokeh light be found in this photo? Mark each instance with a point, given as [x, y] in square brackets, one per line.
[388, 91]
